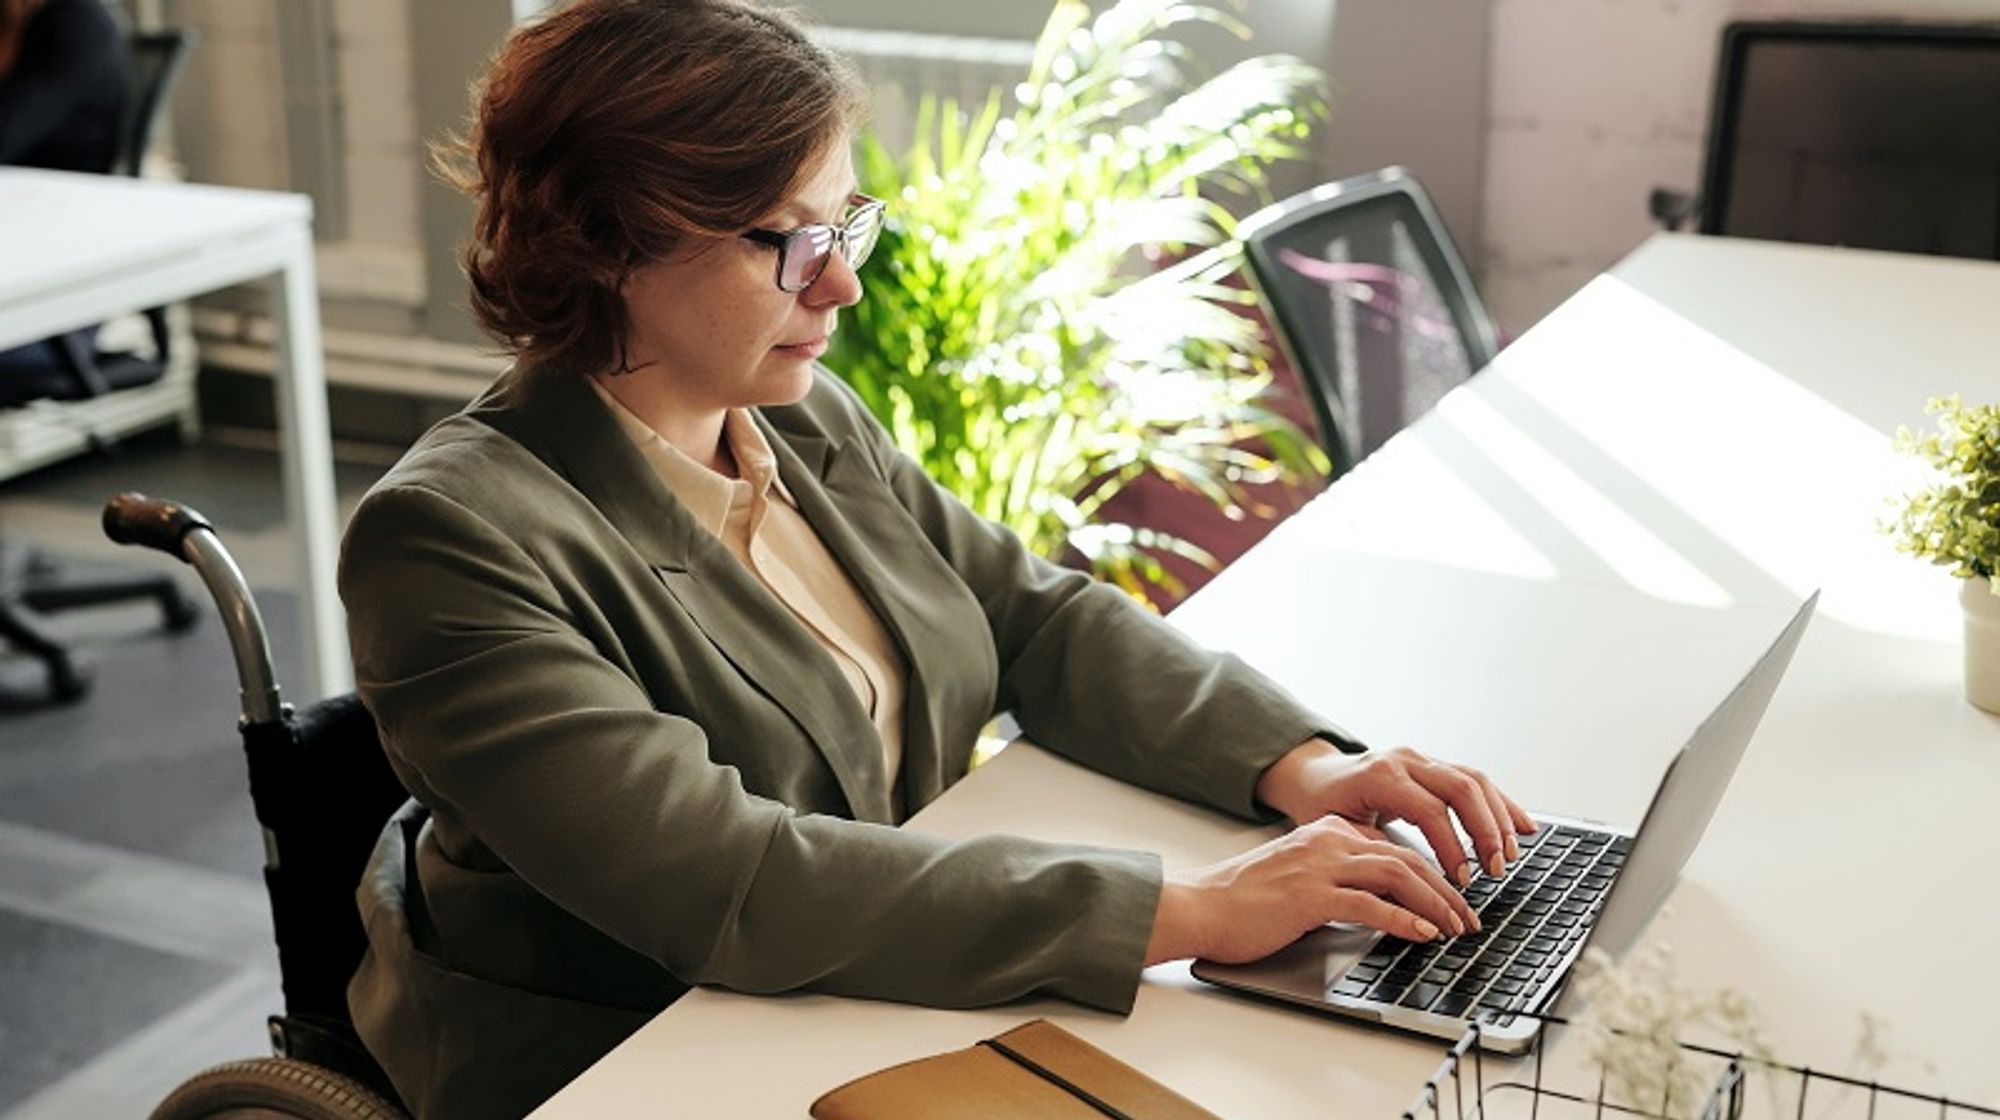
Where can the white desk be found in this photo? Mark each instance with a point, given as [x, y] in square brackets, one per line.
[78, 249]
[1553, 577]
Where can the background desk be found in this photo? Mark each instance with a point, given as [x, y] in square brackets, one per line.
[1554, 576]
[79, 249]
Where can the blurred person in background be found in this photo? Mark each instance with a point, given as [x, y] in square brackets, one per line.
[63, 87]
[63, 96]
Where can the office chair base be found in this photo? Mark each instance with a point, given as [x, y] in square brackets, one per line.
[68, 680]
[273, 1087]
[39, 590]
[176, 609]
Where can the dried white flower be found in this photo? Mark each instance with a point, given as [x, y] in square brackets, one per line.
[1639, 1015]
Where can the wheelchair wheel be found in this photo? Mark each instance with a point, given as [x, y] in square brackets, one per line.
[273, 1089]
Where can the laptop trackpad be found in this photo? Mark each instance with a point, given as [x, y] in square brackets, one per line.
[1306, 969]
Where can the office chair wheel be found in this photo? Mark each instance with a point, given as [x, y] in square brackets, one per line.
[68, 681]
[180, 611]
[273, 1089]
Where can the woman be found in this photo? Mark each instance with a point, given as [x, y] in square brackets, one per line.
[664, 635]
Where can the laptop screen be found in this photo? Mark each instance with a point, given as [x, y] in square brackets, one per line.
[1688, 795]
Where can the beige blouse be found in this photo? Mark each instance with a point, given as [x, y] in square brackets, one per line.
[774, 541]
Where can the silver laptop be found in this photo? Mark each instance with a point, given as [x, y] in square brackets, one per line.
[1576, 885]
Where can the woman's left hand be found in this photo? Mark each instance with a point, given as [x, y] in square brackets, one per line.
[1317, 779]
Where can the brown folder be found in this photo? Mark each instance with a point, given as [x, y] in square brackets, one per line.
[1037, 1071]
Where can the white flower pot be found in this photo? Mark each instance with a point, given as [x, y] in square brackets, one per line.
[1982, 643]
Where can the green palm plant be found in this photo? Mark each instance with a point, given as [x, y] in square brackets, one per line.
[1015, 339]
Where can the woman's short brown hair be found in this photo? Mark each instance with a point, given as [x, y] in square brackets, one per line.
[607, 133]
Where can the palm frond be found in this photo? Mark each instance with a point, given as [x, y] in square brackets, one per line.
[1014, 339]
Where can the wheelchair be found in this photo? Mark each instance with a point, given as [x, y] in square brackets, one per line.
[323, 791]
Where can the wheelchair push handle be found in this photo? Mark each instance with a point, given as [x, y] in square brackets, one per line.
[133, 518]
[186, 535]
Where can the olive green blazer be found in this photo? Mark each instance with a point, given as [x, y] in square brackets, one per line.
[634, 770]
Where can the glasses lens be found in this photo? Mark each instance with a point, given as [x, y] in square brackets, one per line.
[804, 258]
[862, 231]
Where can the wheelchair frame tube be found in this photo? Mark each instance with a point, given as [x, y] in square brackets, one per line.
[240, 618]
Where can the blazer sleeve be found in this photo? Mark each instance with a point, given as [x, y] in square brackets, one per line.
[1092, 675]
[501, 713]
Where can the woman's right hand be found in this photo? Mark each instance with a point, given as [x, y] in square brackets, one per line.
[1329, 870]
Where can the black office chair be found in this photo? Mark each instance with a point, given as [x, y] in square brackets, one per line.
[1373, 306]
[323, 791]
[70, 367]
[1871, 135]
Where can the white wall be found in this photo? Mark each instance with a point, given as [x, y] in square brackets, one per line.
[383, 156]
[1591, 104]
[1540, 125]
[1410, 80]
[229, 114]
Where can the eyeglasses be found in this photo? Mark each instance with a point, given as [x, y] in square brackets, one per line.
[803, 252]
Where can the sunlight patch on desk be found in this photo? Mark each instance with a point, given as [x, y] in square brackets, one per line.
[1800, 501]
[1642, 558]
[1430, 513]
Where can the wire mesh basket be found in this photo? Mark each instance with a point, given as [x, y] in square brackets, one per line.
[1469, 1085]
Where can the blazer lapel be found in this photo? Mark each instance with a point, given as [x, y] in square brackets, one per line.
[560, 417]
[760, 636]
[849, 505]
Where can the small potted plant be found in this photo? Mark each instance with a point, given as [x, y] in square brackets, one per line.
[1955, 521]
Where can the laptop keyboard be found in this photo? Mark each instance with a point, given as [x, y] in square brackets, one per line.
[1531, 921]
